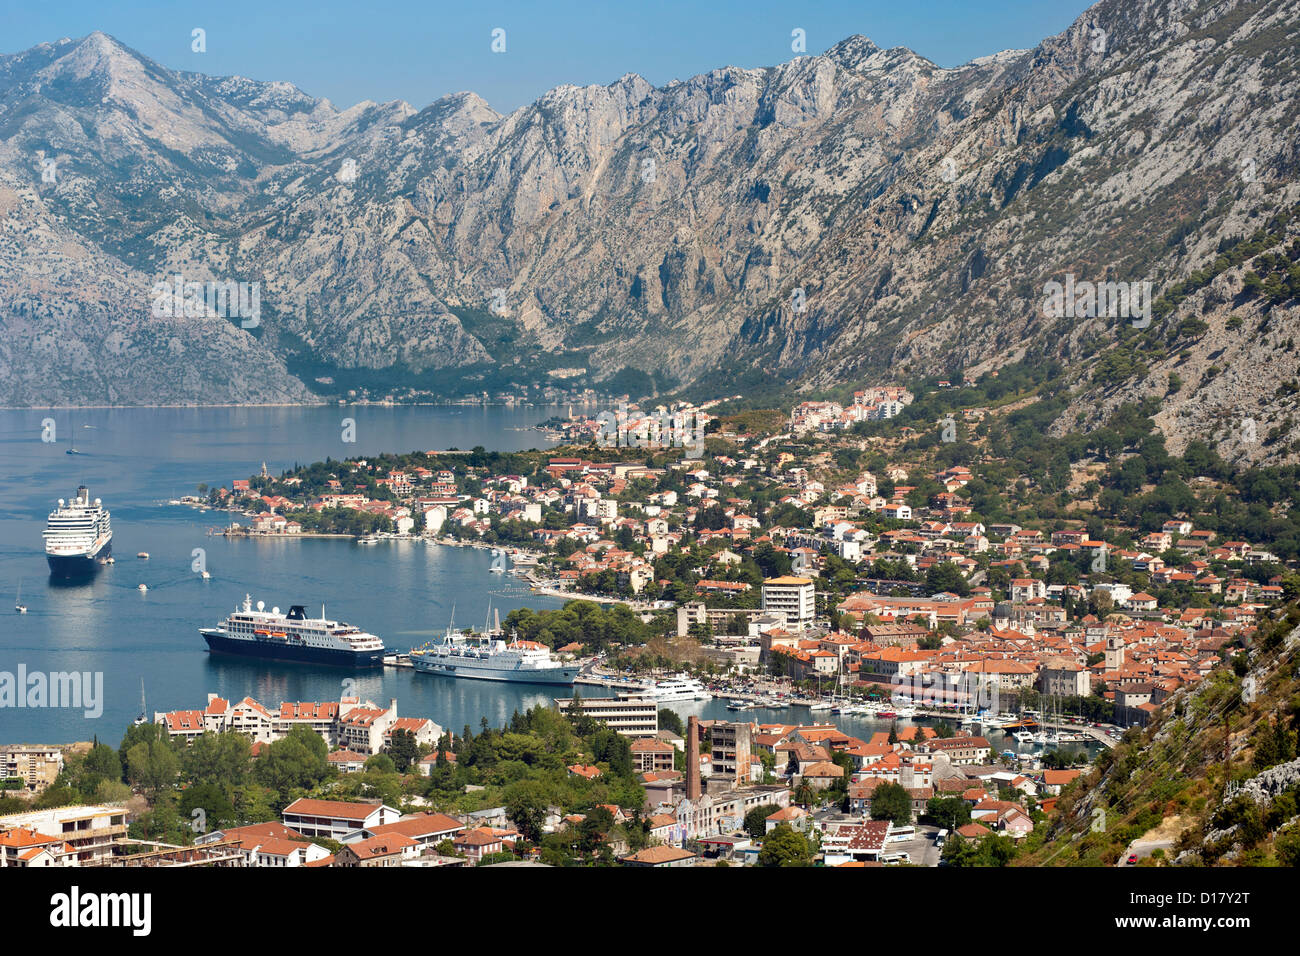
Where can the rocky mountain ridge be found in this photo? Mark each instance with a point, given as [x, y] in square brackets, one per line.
[859, 215]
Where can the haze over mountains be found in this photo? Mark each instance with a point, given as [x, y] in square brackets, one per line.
[863, 214]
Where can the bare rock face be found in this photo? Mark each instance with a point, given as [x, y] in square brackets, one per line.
[863, 213]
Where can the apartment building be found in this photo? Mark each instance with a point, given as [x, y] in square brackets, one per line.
[630, 716]
[795, 597]
[36, 765]
[89, 831]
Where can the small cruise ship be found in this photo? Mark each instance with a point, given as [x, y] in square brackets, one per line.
[78, 536]
[674, 689]
[295, 637]
[491, 657]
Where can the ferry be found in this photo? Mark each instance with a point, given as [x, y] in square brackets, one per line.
[293, 637]
[491, 657]
[78, 535]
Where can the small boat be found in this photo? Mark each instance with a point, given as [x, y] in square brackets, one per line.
[142, 719]
[1023, 736]
[206, 575]
[887, 714]
[143, 555]
[819, 705]
[19, 606]
[142, 588]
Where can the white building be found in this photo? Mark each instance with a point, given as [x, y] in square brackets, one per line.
[795, 597]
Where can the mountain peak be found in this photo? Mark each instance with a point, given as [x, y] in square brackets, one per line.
[851, 52]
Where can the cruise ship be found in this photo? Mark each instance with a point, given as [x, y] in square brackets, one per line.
[295, 637]
[674, 689]
[490, 657]
[77, 536]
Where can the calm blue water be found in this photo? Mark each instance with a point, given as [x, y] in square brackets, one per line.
[137, 459]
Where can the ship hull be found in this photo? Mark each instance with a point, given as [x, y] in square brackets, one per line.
[289, 654]
[558, 675]
[77, 565]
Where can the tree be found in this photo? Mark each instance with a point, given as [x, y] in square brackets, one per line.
[404, 750]
[948, 812]
[153, 764]
[669, 720]
[526, 804]
[218, 758]
[756, 820]
[299, 760]
[891, 801]
[785, 846]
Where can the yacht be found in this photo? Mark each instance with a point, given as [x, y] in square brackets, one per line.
[1023, 736]
[674, 689]
[491, 657]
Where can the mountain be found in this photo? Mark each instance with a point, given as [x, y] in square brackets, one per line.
[859, 215]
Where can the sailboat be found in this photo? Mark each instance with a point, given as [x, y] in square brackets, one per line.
[143, 710]
[19, 606]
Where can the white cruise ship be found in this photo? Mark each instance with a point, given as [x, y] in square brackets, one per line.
[678, 689]
[77, 536]
[486, 657]
[293, 637]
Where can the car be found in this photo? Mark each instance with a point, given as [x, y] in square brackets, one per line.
[1132, 858]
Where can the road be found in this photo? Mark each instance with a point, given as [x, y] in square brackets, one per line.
[1144, 849]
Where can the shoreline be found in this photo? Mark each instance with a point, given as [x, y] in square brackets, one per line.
[322, 404]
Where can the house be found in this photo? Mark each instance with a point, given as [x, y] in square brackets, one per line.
[660, 856]
[426, 829]
[268, 844]
[650, 755]
[860, 842]
[335, 819]
[795, 816]
[478, 843]
[387, 850]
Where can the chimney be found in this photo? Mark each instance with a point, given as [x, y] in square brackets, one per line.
[692, 759]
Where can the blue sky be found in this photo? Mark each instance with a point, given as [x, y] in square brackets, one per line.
[419, 50]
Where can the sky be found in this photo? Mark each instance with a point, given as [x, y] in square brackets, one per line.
[420, 50]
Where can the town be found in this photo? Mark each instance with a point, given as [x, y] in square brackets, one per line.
[1005, 620]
